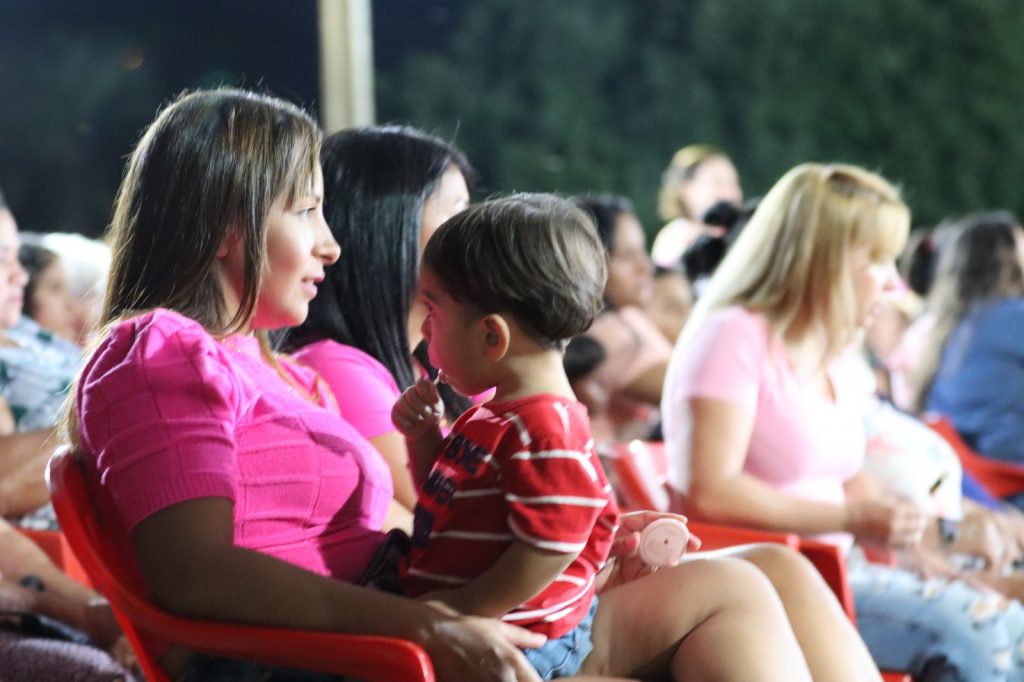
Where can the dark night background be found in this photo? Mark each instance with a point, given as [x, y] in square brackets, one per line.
[566, 96]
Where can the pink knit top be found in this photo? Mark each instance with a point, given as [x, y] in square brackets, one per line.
[170, 414]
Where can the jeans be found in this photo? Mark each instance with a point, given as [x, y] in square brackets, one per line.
[935, 629]
[563, 657]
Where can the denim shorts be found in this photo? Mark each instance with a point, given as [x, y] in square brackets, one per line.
[563, 657]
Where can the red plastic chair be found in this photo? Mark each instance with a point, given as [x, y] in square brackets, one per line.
[81, 507]
[639, 470]
[1000, 479]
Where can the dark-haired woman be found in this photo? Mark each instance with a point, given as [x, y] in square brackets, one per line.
[636, 354]
[386, 190]
[241, 494]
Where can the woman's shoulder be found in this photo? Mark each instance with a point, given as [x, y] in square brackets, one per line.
[329, 350]
[738, 319]
[351, 373]
[1008, 309]
[155, 337]
[330, 358]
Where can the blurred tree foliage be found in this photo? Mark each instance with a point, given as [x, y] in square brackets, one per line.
[581, 95]
[79, 81]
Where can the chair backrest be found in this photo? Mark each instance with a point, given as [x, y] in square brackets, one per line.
[1000, 479]
[86, 516]
[640, 471]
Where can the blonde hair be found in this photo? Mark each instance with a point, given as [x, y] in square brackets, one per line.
[683, 166]
[790, 261]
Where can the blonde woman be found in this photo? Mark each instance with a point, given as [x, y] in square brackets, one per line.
[762, 419]
[698, 177]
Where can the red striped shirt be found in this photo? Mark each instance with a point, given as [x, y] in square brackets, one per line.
[518, 470]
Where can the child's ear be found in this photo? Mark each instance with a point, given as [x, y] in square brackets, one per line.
[497, 336]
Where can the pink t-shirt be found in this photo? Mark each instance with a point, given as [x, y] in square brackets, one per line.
[364, 387]
[169, 414]
[802, 442]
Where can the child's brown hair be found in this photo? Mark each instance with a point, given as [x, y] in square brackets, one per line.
[535, 257]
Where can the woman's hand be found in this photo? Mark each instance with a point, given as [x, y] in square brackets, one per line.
[983, 533]
[886, 521]
[471, 648]
[624, 563]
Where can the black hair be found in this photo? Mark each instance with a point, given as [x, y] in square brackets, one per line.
[702, 257]
[582, 356]
[605, 210]
[376, 180]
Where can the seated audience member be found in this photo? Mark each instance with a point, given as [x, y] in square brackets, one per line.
[636, 354]
[884, 342]
[276, 503]
[507, 282]
[387, 189]
[972, 365]
[918, 265]
[51, 627]
[243, 440]
[36, 368]
[696, 179]
[86, 262]
[47, 299]
[762, 416]
[964, 538]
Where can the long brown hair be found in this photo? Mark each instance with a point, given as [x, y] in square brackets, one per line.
[211, 164]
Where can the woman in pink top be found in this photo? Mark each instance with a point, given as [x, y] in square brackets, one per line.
[762, 422]
[242, 495]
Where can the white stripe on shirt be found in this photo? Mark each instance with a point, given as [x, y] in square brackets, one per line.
[554, 546]
[572, 500]
[567, 605]
[524, 435]
[580, 457]
[480, 492]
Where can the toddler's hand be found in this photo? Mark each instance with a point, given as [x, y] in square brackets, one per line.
[624, 561]
[419, 410]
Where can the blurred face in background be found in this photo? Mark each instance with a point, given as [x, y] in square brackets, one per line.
[715, 179]
[450, 197]
[630, 273]
[52, 305]
[12, 276]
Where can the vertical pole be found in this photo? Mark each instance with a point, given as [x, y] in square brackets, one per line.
[346, 64]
